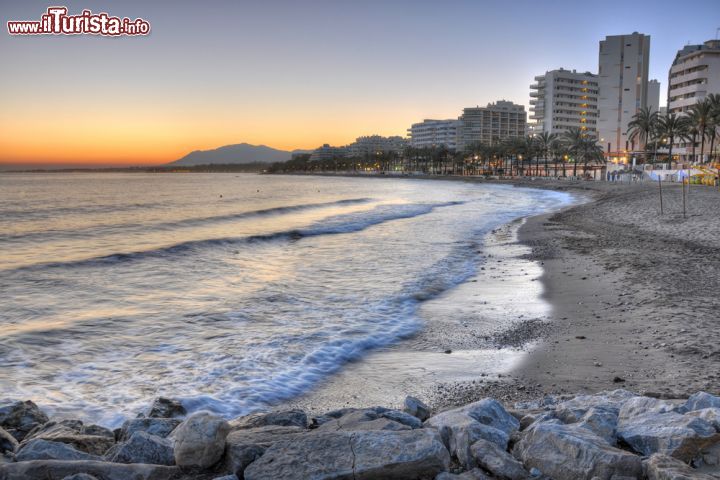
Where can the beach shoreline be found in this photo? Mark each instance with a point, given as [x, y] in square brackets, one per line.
[630, 293]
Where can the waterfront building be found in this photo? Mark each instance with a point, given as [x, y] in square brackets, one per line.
[328, 152]
[434, 133]
[623, 89]
[694, 74]
[371, 145]
[563, 99]
[491, 124]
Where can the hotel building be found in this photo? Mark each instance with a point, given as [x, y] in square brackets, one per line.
[492, 124]
[563, 99]
[623, 89]
[434, 133]
[371, 145]
[694, 74]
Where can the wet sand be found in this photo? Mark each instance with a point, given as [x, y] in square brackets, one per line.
[633, 303]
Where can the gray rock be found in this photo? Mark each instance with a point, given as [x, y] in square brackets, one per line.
[403, 418]
[286, 418]
[416, 408]
[242, 447]
[461, 427]
[602, 421]
[59, 469]
[669, 433]
[710, 415]
[39, 449]
[20, 417]
[80, 476]
[356, 420]
[569, 452]
[699, 401]
[497, 461]
[570, 411]
[474, 474]
[226, 477]
[662, 467]
[91, 439]
[8, 443]
[638, 406]
[410, 454]
[142, 447]
[166, 408]
[200, 440]
[160, 427]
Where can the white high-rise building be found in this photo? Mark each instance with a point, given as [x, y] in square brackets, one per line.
[623, 89]
[653, 96]
[694, 74]
[563, 99]
[492, 124]
[434, 133]
[371, 145]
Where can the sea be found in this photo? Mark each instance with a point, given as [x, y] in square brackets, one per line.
[231, 292]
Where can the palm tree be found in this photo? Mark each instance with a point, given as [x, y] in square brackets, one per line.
[642, 127]
[670, 126]
[714, 100]
[690, 134]
[574, 140]
[701, 115]
[544, 142]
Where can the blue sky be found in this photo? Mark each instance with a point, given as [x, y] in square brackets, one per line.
[295, 74]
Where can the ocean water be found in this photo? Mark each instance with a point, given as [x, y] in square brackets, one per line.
[231, 292]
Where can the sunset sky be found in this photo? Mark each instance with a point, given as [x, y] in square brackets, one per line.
[296, 74]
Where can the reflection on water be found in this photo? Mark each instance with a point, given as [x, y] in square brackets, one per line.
[117, 288]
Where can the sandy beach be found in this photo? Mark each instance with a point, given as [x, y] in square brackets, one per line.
[632, 304]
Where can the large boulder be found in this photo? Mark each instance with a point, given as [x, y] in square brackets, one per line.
[166, 408]
[602, 420]
[160, 427]
[91, 439]
[638, 406]
[569, 452]
[80, 476]
[410, 454]
[242, 447]
[285, 418]
[142, 447]
[571, 410]
[366, 419]
[39, 449]
[461, 427]
[200, 440]
[700, 400]
[20, 417]
[669, 433]
[8, 443]
[710, 415]
[497, 461]
[416, 408]
[59, 469]
[474, 474]
[662, 467]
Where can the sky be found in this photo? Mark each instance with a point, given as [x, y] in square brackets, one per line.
[296, 74]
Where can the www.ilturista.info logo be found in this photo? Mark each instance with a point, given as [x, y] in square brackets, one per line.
[57, 22]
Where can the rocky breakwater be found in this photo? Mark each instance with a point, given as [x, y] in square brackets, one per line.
[607, 436]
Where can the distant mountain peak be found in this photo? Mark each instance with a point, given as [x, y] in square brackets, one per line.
[234, 154]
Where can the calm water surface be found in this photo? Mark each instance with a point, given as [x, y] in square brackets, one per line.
[232, 292]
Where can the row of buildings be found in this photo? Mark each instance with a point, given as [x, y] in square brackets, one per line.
[600, 104]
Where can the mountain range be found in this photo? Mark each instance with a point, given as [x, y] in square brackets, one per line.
[235, 154]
